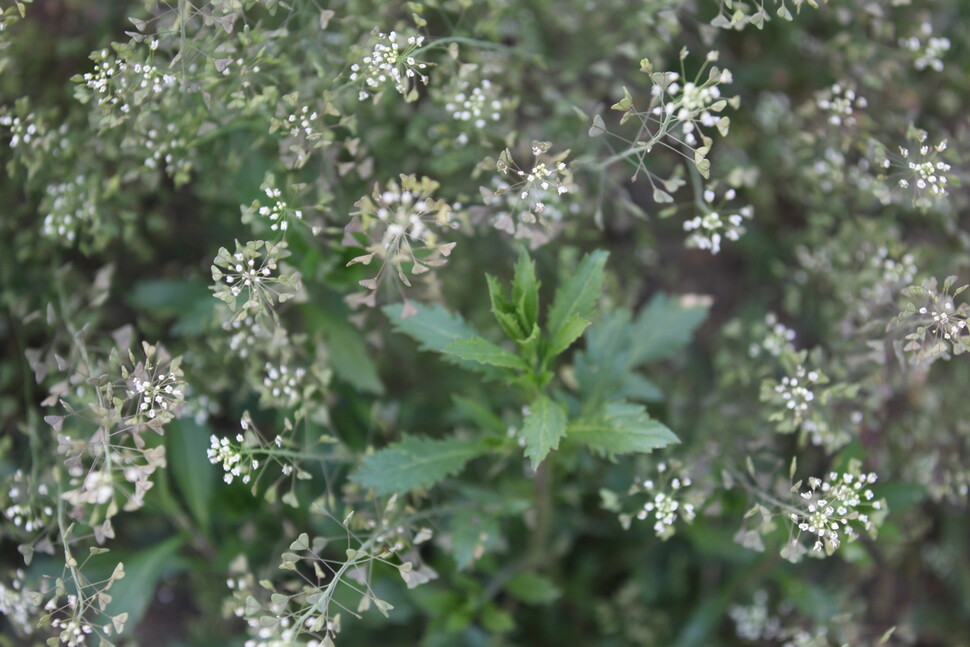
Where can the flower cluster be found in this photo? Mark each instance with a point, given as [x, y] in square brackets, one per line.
[301, 122]
[69, 205]
[22, 130]
[695, 104]
[19, 605]
[680, 115]
[387, 63]
[251, 280]
[163, 149]
[525, 198]
[927, 173]
[158, 395]
[27, 507]
[805, 401]
[778, 339]
[114, 83]
[938, 324]
[245, 454]
[475, 105]
[277, 211]
[247, 333]
[283, 384]
[223, 452]
[841, 103]
[927, 48]
[835, 509]
[398, 225]
[707, 230]
[754, 622]
[667, 499]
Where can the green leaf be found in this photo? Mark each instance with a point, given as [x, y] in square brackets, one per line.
[544, 427]
[637, 387]
[479, 414]
[578, 295]
[622, 428]
[472, 533]
[143, 570]
[496, 620]
[482, 351]
[432, 327]
[617, 345]
[525, 291]
[571, 330]
[186, 445]
[415, 462]
[348, 354]
[663, 328]
[189, 302]
[503, 309]
[532, 588]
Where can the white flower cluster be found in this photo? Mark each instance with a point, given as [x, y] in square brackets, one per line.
[158, 394]
[73, 632]
[927, 173]
[397, 225]
[666, 507]
[22, 131]
[841, 103]
[251, 280]
[277, 212]
[19, 511]
[475, 105]
[928, 49]
[68, 205]
[796, 391]
[19, 605]
[892, 274]
[777, 340]
[245, 274]
[223, 451]
[545, 180]
[164, 147]
[694, 104]
[283, 383]
[754, 622]
[112, 81]
[709, 229]
[946, 321]
[387, 62]
[247, 333]
[300, 123]
[407, 216]
[834, 507]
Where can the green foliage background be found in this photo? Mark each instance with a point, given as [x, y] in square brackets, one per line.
[474, 446]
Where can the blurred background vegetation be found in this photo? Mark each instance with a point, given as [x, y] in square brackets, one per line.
[827, 253]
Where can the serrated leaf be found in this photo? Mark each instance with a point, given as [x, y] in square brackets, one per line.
[618, 344]
[664, 327]
[544, 427]
[482, 351]
[569, 333]
[577, 296]
[525, 291]
[415, 462]
[432, 327]
[622, 428]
